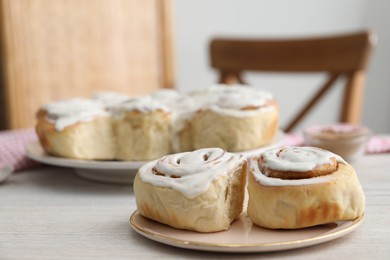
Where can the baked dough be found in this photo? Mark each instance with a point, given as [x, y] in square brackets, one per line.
[233, 133]
[106, 127]
[234, 118]
[201, 190]
[76, 128]
[293, 202]
[142, 129]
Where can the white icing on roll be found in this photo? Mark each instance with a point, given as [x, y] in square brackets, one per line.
[168, 97]
[238, 97]
[142, 104]
[234, 100]
[297, 159]
[109, 99]
[191, 172]
[67, 112]
[226, 100]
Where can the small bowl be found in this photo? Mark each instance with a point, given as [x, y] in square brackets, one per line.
[346, 140]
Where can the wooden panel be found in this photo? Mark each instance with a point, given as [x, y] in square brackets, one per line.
[333, 54]
[63, 48]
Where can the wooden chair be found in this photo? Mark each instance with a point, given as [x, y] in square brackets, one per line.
[339, 56]
[59, 49]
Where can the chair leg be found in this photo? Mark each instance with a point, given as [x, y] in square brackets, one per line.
[229, 77]
[353, 98]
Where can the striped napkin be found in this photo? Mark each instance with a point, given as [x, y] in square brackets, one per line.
[12, 151]
[378, 144]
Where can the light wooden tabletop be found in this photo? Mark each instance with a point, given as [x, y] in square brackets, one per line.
[51, 213]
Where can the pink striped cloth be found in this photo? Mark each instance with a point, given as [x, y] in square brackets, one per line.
[13, 143]
[378, 144]
[12, 150]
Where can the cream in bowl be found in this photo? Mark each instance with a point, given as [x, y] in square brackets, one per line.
[346, 140]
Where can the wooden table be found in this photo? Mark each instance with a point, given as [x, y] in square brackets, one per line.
[50, 213]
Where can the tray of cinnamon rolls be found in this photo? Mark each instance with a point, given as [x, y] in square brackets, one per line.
[116, 132]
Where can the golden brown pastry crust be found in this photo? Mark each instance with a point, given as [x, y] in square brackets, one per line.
[135, 137]
[92, 140]
[143, 136]
[291, 207]
[234, 134]
[211, 211]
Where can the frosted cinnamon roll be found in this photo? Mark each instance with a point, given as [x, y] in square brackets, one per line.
[201, 190]
[296, 187]
[119, 127]
[76, 128]
[235, 118]
[142, 127]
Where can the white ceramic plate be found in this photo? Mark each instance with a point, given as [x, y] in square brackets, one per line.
[105, 171]
[243, 236]
[112, 171]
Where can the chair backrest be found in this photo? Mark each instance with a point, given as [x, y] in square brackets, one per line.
[59, 49]
[339, 56]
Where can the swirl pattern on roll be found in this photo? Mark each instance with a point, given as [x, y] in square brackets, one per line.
[191, 172]
[291, 166]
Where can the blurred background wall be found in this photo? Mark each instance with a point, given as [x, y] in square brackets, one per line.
[197, 22]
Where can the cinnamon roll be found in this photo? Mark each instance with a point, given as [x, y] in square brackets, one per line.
[298, 187]
[142, 127]
[235, 118]
[116, 126]
[76, 128]
[201, 190]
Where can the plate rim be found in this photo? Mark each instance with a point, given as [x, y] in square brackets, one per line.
[245, 248]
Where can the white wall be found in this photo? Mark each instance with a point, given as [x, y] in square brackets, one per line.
[196, 22]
